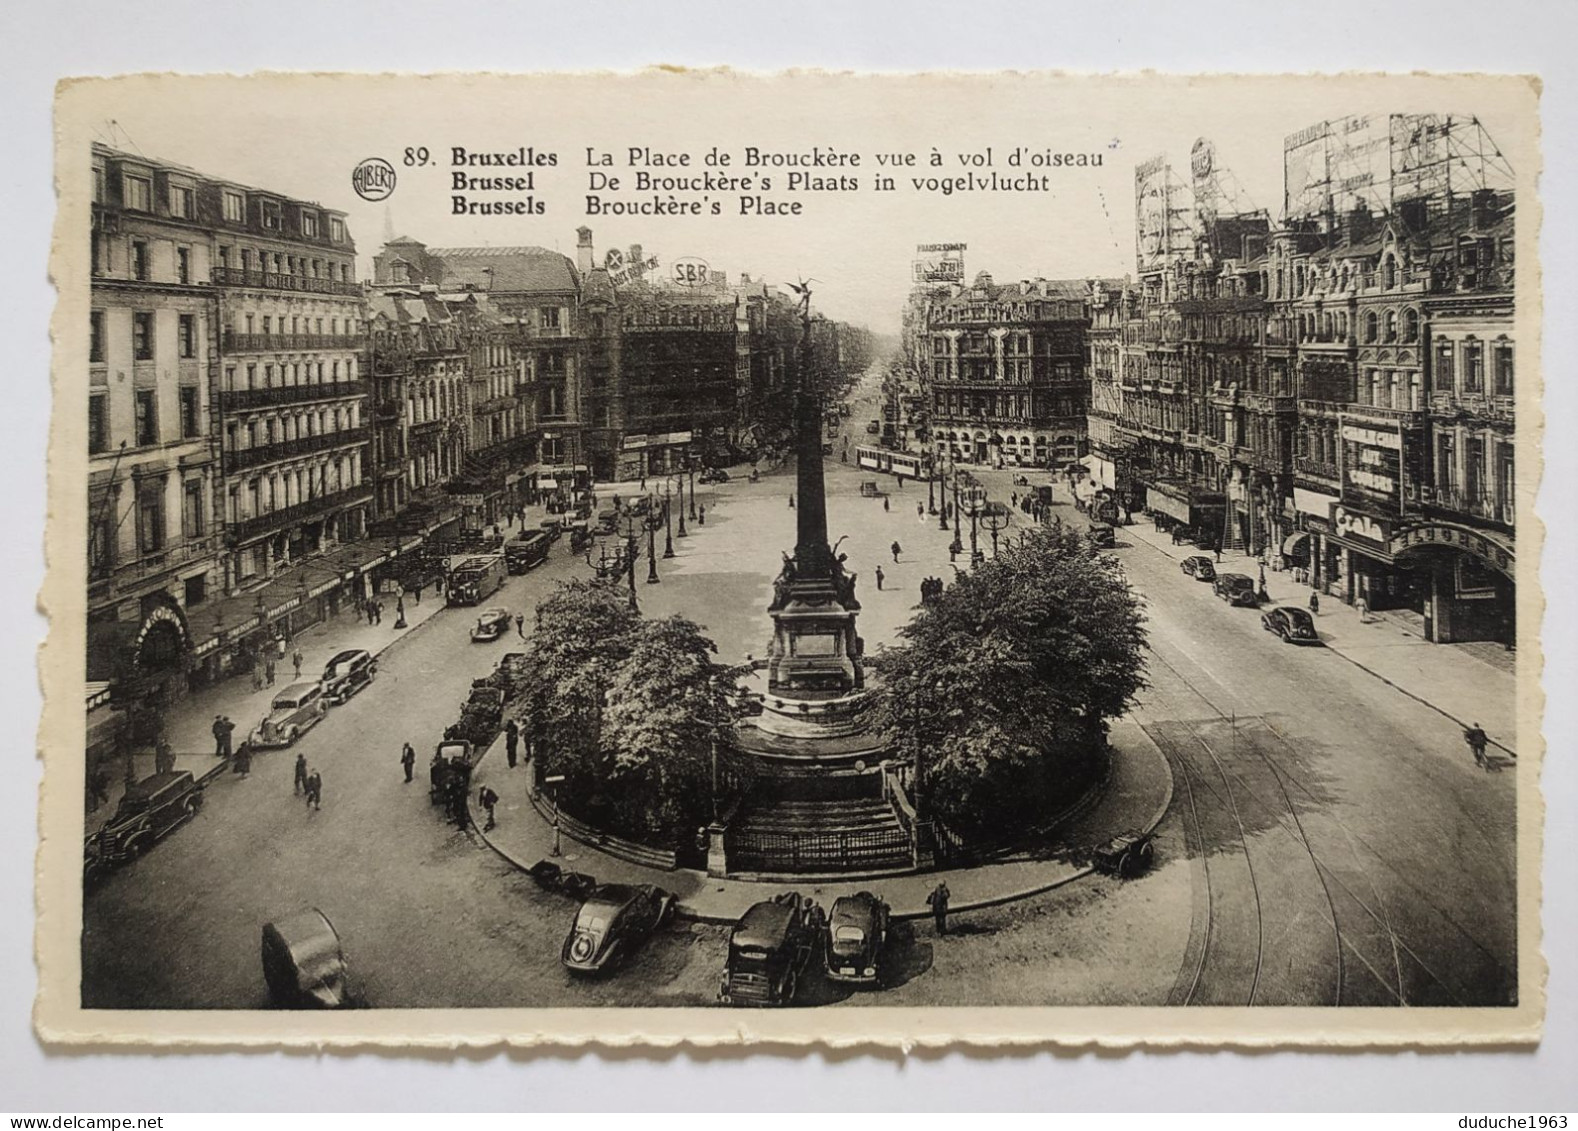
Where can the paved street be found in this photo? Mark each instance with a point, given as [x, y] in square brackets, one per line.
[1330, 840]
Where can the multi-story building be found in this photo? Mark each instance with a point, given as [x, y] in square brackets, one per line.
[153, 477]
[1006, 375]
[292, 398]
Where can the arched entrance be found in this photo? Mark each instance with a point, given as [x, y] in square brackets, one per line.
[1468, 579]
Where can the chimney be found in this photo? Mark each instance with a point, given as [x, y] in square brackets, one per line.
[583, 250]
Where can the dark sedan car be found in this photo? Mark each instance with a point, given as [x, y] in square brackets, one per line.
[1293, 624]
[1237, 589]
[857, 932]
[149, 810]
[714, 475]
[347, 673]
[613, 922]
[1199, 567]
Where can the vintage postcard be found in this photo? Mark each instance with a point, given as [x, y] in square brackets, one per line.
[810, 559]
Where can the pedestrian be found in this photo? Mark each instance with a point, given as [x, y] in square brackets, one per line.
[879, 579]
[1362, 607]
[1477, 741]
[225, 738]
[257, 674]
[512, 741]
[520, 625]
[1217, 550]
[791, 502]
[920, 512]
[1314, 602]
[884, 504]
[296, 659]
[938, 902]
[315, 790]
[701, 515]
[418, 591]
[243, 763]
[488, 799]
[218, 731]
[408, 760]
[268, 671]
[299, 784]
[896, 549]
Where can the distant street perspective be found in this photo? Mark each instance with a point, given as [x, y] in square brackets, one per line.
[508, 629]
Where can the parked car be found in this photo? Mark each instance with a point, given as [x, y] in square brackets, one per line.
[550, 877]
[1102, 536]
[491, 625]
[1236, 589]
[857, 933]
[714, 475]
[1125, 855]
[607, 519]
[769, 949]
[148, 811]
[346, 674]
[552, 526]
[613, 922]
[304, 964]
[294, 711]
[528, 549]
[1199, 567]
[1293, 624]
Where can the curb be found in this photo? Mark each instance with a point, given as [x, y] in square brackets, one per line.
[683, 911]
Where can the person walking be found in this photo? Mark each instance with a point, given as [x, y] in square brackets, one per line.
[791, 502]
[701, 515]
[938, 902]
[920, 512]
[1314, 602]
[1362, 607]
[1217, 550]
[885, 507]
[520, 625]
[879, 579]
[315, 790]
[897, 549]
[296, 659]
[243, 763]
[300, 783]
[418, 591]
[218, 731]
[512, 741]
[408, 760]
[1477, 741]
[228, 729]
[488, 799]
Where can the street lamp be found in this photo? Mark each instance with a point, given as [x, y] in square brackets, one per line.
[975, 510]
[682, 533]
[994, 523]
[652, 577]
[690, 466]
[668, 523]
[631, 549]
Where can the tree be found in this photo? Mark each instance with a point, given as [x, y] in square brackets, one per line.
[1006, 682]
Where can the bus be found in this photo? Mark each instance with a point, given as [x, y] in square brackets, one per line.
[474, 580]
[911, 465]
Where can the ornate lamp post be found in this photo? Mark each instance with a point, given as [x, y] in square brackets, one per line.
[668, 524]
[690, 466]
[975, 511]
[682, 532]
[958, 544]
[995, 522]
[631, 547]
[931, 498]
[652, 525]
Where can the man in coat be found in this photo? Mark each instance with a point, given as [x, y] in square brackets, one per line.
[408, 759]
[315, 790]
[300, 785]
[488, 799]
[938, 901]
[512, 740]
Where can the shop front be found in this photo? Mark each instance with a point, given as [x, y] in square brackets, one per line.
[1468, 578]
[1190, 512]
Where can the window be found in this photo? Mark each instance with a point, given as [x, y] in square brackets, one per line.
[252, 377]
[224, 256]
[336, 229]
[1372, 326]
[1503, 369]
[98, 184]
[309, 224]
[1474, 469]
[188, 411]
[192, 524]
[181, 203]
[246, 259]
[150, 518]
[268, 325]
[137, 193]
[230, 378]
[550, 318]
[183, 265]
[147, 418]
[96, 336]
[1446, 463]
[139, 259]
[142, 336]
[1391, 325]
[98, 424]
[235, 207]
[1446, 367]
[271, 215]
[186, 335]
[345, 272]
[1473, 366]
[101, 545]
[1410, 326]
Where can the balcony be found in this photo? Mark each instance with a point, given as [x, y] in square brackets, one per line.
[275, 281]
[1380, 415]
[1267, 404]
[279, 343]
[301, 446]
[301, 512]
[238, 400]
[103, 584]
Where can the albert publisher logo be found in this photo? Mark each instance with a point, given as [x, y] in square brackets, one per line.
[373, 179]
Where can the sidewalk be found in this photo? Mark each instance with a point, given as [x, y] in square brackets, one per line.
[1136, 798]
[189, 722]
[1454, 682]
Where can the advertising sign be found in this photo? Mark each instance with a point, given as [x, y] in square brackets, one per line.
[939, 263]
[1372, 462]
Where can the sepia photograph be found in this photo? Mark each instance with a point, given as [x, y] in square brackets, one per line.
[845, 559]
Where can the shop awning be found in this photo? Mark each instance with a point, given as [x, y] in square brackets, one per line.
[1295, 544]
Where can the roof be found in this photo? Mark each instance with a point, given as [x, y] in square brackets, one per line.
[764, 926]
[153, 784]
[296, 690]
[503, 268]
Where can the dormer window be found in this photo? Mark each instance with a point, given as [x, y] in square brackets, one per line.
[271, 215]
[137, 193]
[180, 202]
[336, 229]
[235, 207]
[309, 224]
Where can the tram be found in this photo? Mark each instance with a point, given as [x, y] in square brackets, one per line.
[911, 465]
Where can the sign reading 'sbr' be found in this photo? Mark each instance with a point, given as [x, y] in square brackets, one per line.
[690, 271]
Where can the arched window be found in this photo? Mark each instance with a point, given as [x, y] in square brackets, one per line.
[1389, 271]
[1410, 325]
[1391, 325]
[1372, 325]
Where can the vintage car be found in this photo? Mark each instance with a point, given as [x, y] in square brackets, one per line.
[528, 549]
[294, 711]
[614, 921]
[857, 932]
[714, 475]
[1293, 624]
[449, 773]
[769, 949]
[304, 964]
[607, 519]
[491, 625]
[346, 674]
[148, 810]
[1102, 536]
[550, 877]
[1236, 589]
[581, 537]
[1125, 855]
[1198, 567]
